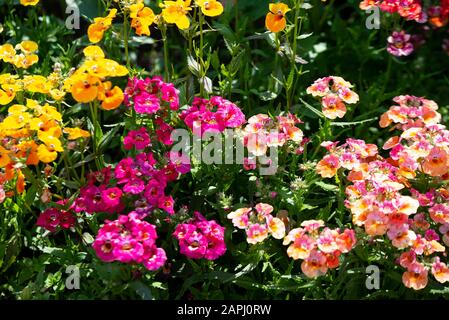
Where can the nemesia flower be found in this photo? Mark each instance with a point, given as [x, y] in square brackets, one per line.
[210, 8]
[333, 92]
[129, 240]
[213, 115]
[29, 2]
[320, 249]
[141, 18]
[96, 30]
[200, 238]
[399, 44]
[416, 276]
[176, 12]
[258, 223]
[138, 139]
[314, 265]
[440, 271]
[275, 20]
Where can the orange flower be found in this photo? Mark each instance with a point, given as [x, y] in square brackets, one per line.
[28, 150]
[142, 18]
[20, 186]
[315, 265]
[4, 157]
[328, 166]
[112, 98]
[275, 20]
[436, 163]
[85, 89]
[415, 277]
[97, 29]
[440, 271]
[76, 133]
[333, 106]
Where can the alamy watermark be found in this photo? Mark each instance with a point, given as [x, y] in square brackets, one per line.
[372, 281]
[72, 282]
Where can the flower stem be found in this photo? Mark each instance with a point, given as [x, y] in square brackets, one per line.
[200, 53]
[164, 41]
[126, 38]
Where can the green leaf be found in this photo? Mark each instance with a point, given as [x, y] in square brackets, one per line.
[327, 186]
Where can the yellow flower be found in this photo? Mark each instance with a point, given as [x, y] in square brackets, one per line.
[103, 68]
[76, 133]
[6, 96]
[93, 53]
[25, 60]
[48, 153]
[112, 98]
[97, 29]
[7, 53]
[142, 18]
[57, 94]
[29, 2]
[210, 8]
[27, 47]
[275, 20]
[176, 12]
[38, 84]
[17, 121]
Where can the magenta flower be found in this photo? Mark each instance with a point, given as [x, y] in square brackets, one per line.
[138, 139]
[399, 44]
[201, 238]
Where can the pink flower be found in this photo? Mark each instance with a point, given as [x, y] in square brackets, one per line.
[166, 203]
[256, 233]
[194, 245]
[134, 186]
[111, 197]
[138, 139]
[146, 103]
[49, 219]
[156, 260]
[399, 44]
[314, 265]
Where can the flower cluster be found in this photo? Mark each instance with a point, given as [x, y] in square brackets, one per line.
[263, 132]
[201, 238]
[408, 9]
[352, 154]
[129, 240]
[150, 95]
[401, 43]
[25, 59]
[318, 247]
[88, 83]
[31, 134]
[334, 93]
[213, 115]
[382, 197]
[424, 143]
[258, 223]
[53, 218]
